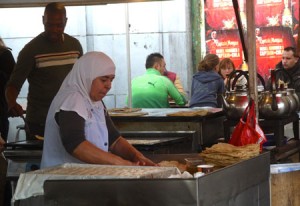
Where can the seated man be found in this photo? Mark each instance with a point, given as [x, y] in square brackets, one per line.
[152, 89]
[288, 70]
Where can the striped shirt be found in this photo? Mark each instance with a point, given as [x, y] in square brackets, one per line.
[44, 65]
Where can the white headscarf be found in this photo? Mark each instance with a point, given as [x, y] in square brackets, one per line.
[74, 96]
[79, 80]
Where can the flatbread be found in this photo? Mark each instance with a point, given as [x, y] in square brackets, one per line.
[224, 154]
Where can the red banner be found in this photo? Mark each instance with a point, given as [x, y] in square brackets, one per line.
[295, 9]
[269, 12]
[269, 47]
[276, 28]
[226, 44]
[220, 14]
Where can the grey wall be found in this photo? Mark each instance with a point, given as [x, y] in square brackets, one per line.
[153, 27]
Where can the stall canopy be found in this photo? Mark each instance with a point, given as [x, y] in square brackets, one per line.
[33, 3]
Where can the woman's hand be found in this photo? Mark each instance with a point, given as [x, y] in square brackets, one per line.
[143, 161]
[122, 148]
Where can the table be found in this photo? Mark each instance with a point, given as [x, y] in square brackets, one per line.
[282, 149]
[161, 142]
[208, 129]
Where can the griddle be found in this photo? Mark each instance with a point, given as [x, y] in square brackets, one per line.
[25, 145]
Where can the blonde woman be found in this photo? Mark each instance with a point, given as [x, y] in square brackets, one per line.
[207, 83]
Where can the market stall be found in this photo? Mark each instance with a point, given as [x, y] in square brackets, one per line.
[243, 183]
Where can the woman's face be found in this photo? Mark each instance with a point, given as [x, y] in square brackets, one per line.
[225, 71]
[100, 87]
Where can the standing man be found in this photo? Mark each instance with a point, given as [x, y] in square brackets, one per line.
[152, 89]
[289, 69]
[45, 61]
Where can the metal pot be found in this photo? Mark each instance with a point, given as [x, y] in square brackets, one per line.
[234, 104]
[267, 101]
[293, 99]
[237, 98]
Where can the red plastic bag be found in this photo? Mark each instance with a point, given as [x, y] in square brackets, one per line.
[247, 130]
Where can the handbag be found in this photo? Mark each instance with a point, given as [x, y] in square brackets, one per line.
[247, 131]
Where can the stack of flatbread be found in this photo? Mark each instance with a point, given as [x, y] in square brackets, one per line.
[223, 154]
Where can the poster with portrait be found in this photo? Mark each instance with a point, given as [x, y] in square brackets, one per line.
[270, 43]
[276, 24]
[226, 44]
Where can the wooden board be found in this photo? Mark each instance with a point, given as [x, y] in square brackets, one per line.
[285, 189]
[190, 113]
[131, 114]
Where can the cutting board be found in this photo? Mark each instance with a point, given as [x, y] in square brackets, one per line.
[189, 113]
[127, 114]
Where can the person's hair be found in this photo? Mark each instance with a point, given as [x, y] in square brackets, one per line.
[209, 62]
[223, 63]
[152, 59]
[55, 7]
[290, 48]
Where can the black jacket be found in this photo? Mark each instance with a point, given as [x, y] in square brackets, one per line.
[7, 64]
[290, 76]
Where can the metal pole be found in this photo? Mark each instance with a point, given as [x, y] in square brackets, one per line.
[128, 56]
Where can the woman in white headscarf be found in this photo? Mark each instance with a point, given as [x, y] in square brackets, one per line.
[78, 127]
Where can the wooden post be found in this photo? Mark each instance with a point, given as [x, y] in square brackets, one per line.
[251, 42]
[298, 37]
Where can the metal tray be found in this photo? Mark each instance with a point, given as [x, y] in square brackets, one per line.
[25, 144]
[31, 183]
[283, 168]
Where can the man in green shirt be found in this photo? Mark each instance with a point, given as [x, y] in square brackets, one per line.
[152, 89]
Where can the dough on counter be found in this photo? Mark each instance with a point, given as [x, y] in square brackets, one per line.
[173, 163]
